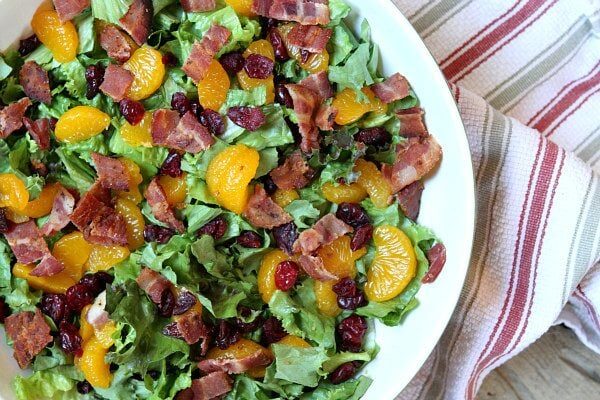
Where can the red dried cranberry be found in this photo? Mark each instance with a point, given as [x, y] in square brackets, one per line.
[282, 95]
[343, 372]
[346, 287]
[286, 275]
[378, 136]
[213, 121]
[351, 332]
[249, 240]
[215, 228]
[267, 23]
[226, 335]
[304, 55]
[180, 103]
[258, 66]
[362, 236]
[185, 301]
[353, 214]
[4, 311]
[269, 185]
[351, 303]
[105, 277]
[281, 53]
[55, 306]
[250, 118]
[94, 76]
[167, 304]
[158, 234]
[132, 110]
[196, 108]
[285, 236]
[232, 62]
[69, 339]
[4, 222]
[94, 284]
[84, 387]
[172, 329]
[247, 327]
[28, 45]
[273, 331]
[349, 296]
[79, 296]
[169, 59]
[172, 165]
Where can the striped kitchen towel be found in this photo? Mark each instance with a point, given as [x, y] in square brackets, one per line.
[526, 77]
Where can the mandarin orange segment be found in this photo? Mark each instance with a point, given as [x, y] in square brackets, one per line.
[104, 335]
[138, 135]
[42, 206]
[294, 341]
[175, 188]
[73, 251]
[212, 90]
[229, 174]
[57, 284]
[283, 197]
[148, 72]
[93, 365]
[103, 258]
[135, 178]
[134, 220]
[394, 265]
[13, 192]
[242, 7]
[264, 48]
[239, 350]
[372, 180]
[339, 259]
[60, 38]
[315, 63]
[326, 299]
[351, 110]
[352, 193]
[266, 273]
[81, 123]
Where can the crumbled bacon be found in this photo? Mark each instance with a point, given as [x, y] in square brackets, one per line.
[293, 174]
[324, 232]
[318, 83]
[198, 5]
[437, 259]
[35, 82]
[415, 158]
[185, 133]
[39, 130]
[197, 64]
[411, 122]
[11, 117]
[117, 81]
[260, 358]
[62, 208]
[30, 335]
[161, 209]
[311, 38]
[392, 89]
[49, 266]
[409, 199]
[325, 117]
[263, 212]
[69, 9]
[192, 329]
[154, 284]
[116, 43]
[314, 267]
[112, 173]
[306, 12]
[210, 387]
[306, 102]
[26, 242]
[138, 20]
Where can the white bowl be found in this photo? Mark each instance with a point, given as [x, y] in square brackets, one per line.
[448, 204]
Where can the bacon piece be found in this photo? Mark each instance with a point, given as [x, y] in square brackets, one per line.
[414, 159]
[49, 266]
[30, 335]
[324, 232]
[210, 387]
[11, 117]
[26, 242]
[112, 173]
[325, 118]
[293, 174]
[197, 64]
[185, 133]
[409, 199]
[138, 20]
[154, 284]
[39, 130]
[62, 208]
[411, 122]
[93, 201]
[392, 89]
[437, 259]
[191, 329]
[318, 83]
[69, 9]
[157, 199]
[260, 358]
[117, 81]
[306, 103]
[97, 315]
[164, 123]
[314, 267]
[198, 5]
[311, 38]
[306, 12]
[116, 43]
[263, 212]
[35, 82]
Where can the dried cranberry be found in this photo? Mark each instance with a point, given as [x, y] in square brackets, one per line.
[158, 234]
[4, 222]
[55, 306]
[273, 331]
[132, 110]
[167, 303]
[353, 214]
[269, 185]
[69, 339]
[213, 121]
[349, 296]
[172, 165]
[215, 228]
[249, 240]
[169, 59]
[172, 329]
[94, 75]
[304, 55]
[196, 109]
[351, 332]
[84, 387]
[286, 275]
[362, 236]
[281, 53]
[28, 45]
[4, 311]
[343, 372]
[180, 103]
[258, 66]
[250, 118]
[105, 277]
[93, 283]
[247, 327]
[346, 287]
[226, 335]
[351, 303]
[185, 301]
[154, 374]
[285, 236]
[378, 136]
[268, 23]
[282, 95]
[79, 296]
[233, 62]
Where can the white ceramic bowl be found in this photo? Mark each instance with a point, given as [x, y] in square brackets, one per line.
[448, 204]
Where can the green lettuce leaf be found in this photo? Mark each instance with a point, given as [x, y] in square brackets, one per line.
[55, 383]
[110, 11]
[299, 365]
[355, 73]
[5, 69]
[353, 389]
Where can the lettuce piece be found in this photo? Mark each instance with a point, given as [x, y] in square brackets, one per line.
[338, 10]
[78, 174]
[73, 76]
[213, 260]
[5, 69]
[275, 131]
[353, 389]
[299, 365]
[342, 42]
[237, 97]
[304, 213]
[269, 159]
[355, 73]
[57, 383]
[149, 159]
[110, 11]
[198, 215]
[85, 29]
[246, 388]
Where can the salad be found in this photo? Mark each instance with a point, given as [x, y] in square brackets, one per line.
[206, 199]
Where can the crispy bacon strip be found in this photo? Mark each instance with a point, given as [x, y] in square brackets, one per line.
[117, 81]
[437, 259]
[117, 44]
[314, 267]
[260, 358]
[293, 174]
[318, 83]
[325, 118]
[263, 212]
[62, 208]
[39, 130]
[324, 232]
[210, 387]
[311, 38]
[35, 82]
[306, 102]
[49, 266]
[26, 242]
[157, 199]
[112, 173]
[30, 335]
[138, 20]
[411, 122]
[11, 117]
[198, 5]
[392, 89]
[409, 199]
[69, 9]
[306, 12]
[184, 134]
[197, 64]
[154, 284]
